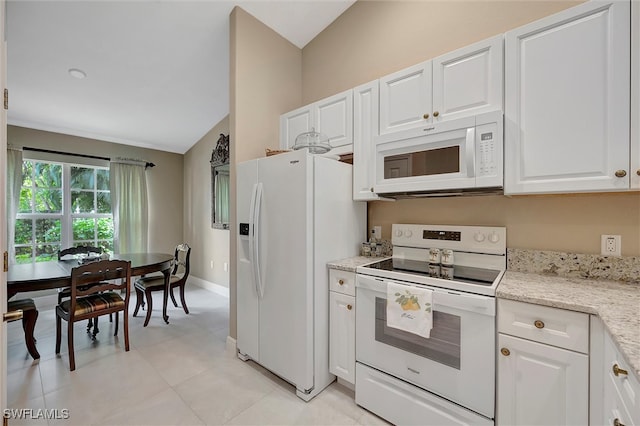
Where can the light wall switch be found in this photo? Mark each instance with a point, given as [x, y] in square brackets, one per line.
[376, 232]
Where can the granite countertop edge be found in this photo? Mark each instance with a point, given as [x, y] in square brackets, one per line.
[616, 303]
[621, 319]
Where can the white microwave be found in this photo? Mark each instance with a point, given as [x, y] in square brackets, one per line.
[447, 158]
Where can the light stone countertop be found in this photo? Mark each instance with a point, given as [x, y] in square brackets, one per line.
[616, 303]
[350, 264]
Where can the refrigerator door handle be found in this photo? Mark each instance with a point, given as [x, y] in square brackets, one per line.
[256, 244]
[252, 244]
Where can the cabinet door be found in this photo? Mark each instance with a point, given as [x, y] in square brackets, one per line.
[541, 384]
[293, 123]
[365, 127]
[406, 99]
[342, 336]
[469, 81]
[334, 118]
[567, 101]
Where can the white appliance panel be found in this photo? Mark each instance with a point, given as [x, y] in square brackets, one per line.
[247, 323]
[286, 308]
[476, 352]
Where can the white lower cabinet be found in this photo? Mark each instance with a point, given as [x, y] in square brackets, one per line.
[615, 389]
[539, 383]
[342, 327]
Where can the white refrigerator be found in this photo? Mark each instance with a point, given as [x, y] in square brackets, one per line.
[295, 214]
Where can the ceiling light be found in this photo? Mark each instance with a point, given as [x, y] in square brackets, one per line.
[76, 73]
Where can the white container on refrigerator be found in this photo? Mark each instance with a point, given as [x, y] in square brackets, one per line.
[295, 214]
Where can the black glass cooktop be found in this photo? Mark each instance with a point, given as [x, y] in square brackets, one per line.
[466, 274]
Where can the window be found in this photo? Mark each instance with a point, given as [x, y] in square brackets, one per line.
[62, 205]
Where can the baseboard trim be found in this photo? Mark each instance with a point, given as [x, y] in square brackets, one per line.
[208, 285]
[232, 346]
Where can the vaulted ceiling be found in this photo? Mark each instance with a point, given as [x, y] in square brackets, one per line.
[156, 72]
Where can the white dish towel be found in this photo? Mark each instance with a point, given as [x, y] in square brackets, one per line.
[410, 308]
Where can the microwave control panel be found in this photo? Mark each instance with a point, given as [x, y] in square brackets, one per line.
[486, 135]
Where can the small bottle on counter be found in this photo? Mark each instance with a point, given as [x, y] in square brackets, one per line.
[366, 249]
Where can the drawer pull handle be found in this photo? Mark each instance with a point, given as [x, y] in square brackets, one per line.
[619, 371]
[538, 324]
[505, 351]
[349, 307]
[341, 282]
[616, 422]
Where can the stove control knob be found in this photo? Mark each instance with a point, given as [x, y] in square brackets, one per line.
[408, 233]
[494, 237]
[479, 237]
[398, 233]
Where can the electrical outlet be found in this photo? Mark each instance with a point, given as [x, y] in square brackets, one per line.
[611, 245]
[376, 232]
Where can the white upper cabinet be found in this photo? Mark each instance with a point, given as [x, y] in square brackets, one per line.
[332, 116]
[567, 101]
[469, 80]
[464, 82]
[405, 99]
[365, 127]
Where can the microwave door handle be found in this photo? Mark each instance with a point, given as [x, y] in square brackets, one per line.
[471, 151]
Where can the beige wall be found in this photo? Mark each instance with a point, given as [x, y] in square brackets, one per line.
[164, 182]
[374, 38]
[207, 244]
[265, 81]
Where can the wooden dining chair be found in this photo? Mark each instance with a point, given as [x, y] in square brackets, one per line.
[29, 317]
[93, 295]
[73, 253]
[178, 278]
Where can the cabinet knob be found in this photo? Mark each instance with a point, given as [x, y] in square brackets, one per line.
[349, 307]
[638, 172]
[341, 282]
[538, 324]
[617, 371]
[505, 351]
[426, 116]
[436, 113]
[621, 173]
[616, 422]
[372, 189]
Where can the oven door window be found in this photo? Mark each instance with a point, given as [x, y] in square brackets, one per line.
[443, 346]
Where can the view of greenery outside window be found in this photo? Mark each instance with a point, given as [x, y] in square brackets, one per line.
[62, 205]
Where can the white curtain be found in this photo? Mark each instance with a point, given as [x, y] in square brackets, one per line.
[222, 197]
[14, 183]
[129, 206]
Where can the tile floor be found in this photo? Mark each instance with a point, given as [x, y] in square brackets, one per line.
[176, 374]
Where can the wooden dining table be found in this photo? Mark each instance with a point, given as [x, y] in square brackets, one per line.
[29, 277]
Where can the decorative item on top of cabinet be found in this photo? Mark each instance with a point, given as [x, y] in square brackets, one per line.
[332, 116]
[342, 324]
[465, 82]
[540, 347]
[567, 101]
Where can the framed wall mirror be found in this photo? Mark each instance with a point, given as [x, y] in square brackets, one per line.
[220, 184]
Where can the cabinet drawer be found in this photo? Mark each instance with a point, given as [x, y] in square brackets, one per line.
[552, 326]
[342, 282]
[627, 387]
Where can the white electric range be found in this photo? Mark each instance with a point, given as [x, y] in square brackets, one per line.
[448, 378]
